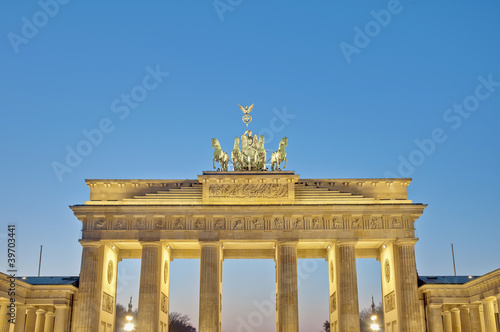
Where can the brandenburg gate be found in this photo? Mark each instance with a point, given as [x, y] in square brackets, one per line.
[249, 212]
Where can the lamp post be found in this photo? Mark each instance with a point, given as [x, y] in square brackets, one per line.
[129, 326]
[374, 325]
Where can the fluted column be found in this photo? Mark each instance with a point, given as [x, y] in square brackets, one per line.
[49, 322]
[61, 321]
[475, 317]
[465, 318]
[287, 287]
[456, 325]
[348, 305]
[435, 319]
[30, 319]
[489, 315]
[447, 322]
[410, 311]
[210, 287]
[149, 290]
[4, 318]
[20, 318]
[40, 320]
[89, 295]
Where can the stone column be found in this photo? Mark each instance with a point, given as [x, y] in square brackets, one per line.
[447, 321]
[20, 318]
[30, 319]
[347, 287]
[331, 258]
[464, 318]
[475, 317]
[435, 319]
[408, 290]
[456, 325]
[40, 320]
[49, 322]
[61, 322]
[489, 315]
[287, 287]
[149, 290]
[210, 287]
[422, 316]
[89, 296]
[4, 319]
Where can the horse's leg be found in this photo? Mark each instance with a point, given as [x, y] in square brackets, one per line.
[285, 162]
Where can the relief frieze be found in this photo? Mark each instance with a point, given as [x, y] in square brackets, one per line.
[337, 222]
[266, 190]
[297, 222]
[257, 224]
[164, 303]
[390, 302]
[108, 302]
[199, 224]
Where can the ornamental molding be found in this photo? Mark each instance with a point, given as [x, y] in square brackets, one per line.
[232, 191]
[238, 222]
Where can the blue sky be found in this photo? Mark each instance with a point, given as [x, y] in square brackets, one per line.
[352, 103]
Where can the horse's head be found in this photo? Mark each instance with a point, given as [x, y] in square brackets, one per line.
[236, 142]
[215, 143]
[261, 141]
[284, 141]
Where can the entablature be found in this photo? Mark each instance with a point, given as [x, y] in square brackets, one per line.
[248, 188]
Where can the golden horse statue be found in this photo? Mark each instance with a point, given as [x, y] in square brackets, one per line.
[219, 156]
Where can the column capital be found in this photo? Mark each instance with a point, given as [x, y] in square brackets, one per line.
[488, 300]
[474, 305]
[446, 313]
[287, 243]
[406, 242]
[61, 306]
[90, 243]
[30, 308]
[41, 312]
[217, 244]
[50, 314]
[346, 243]
[150, 243]
[435, 306]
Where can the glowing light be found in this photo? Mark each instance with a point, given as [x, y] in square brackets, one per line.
[375, 327]
[374, 317]
[129, 318]
[129, 327]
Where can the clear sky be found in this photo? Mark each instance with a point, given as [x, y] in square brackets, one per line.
[362, 89]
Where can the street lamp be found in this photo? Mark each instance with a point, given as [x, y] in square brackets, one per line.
[129, 326]
[374, 326]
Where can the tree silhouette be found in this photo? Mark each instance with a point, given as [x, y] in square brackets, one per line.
[179, 323]
[364, 319]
